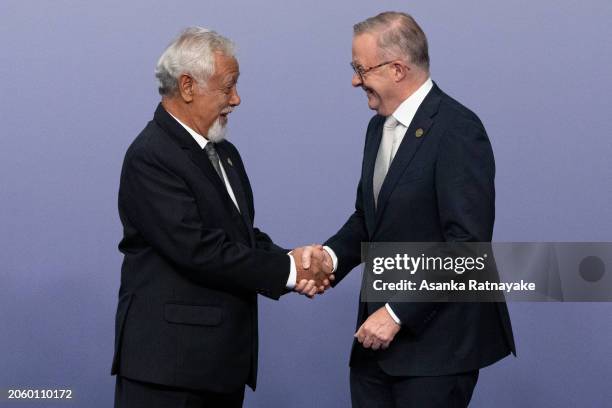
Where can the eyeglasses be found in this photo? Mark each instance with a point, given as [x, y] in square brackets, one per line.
[361, 71]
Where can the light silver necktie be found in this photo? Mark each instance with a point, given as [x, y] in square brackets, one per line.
[384, 156]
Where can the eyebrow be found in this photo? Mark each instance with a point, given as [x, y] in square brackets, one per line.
[231, 78]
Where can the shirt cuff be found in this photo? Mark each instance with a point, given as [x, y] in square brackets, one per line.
[333, 256]
[393, 315]
[292, 273]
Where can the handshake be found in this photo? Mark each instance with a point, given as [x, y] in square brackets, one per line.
[314, 267]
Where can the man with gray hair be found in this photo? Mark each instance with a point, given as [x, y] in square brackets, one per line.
[186, 323]
[427, 176]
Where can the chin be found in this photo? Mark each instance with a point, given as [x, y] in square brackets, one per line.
[380, 110]
[374, 103]
[217, 132]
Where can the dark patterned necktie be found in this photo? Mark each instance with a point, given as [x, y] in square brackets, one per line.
[211, 152]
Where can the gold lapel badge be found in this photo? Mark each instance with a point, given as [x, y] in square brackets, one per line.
[419, 132]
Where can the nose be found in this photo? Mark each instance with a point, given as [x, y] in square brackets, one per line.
[235, 98]
[356, 80]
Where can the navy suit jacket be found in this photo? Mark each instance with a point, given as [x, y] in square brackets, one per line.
[439, 187]
[193, 265]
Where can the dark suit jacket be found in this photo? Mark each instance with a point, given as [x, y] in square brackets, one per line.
[440, 187]
[193, 265]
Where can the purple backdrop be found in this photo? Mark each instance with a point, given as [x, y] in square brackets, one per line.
[77, 86]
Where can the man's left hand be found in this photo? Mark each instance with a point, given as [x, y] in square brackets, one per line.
[378, 331]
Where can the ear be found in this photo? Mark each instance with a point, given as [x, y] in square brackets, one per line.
[186, 87]
[400, 70]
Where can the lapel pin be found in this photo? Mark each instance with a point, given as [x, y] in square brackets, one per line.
[229, 161]
[419, 132]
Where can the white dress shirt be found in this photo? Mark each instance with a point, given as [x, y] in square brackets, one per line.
[406, 111]
[403, 114]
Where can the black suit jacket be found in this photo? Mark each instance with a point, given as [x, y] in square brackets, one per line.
[439, 187]
[193, 265]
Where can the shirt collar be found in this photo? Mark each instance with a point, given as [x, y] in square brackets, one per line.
[407, 109]
[200, 140]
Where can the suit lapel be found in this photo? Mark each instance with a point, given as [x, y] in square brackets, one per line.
[200, 159]
[422, 121]
[191, 147]
[369, 160]
[234, 180]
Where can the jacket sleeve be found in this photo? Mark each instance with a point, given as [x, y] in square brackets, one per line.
[162, 208]
[346, 243]
[465, 173]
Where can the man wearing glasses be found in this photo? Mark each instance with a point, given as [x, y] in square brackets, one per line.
[428, 176]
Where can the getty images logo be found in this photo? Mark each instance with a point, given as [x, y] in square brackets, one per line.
[412, 264]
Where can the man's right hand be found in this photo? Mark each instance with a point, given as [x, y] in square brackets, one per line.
[314, 270]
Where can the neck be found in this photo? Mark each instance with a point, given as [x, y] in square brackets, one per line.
[180, 110]
[410, 86]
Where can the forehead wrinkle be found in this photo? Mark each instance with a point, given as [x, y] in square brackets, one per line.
[231, 78]
[359, 59]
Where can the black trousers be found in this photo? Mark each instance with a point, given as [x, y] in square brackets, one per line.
[373, 388]
[135, 394]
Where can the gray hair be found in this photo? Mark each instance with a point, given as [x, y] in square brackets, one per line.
[192, 53]
[399, 36]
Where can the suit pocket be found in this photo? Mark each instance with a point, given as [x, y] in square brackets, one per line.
[193, 314]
